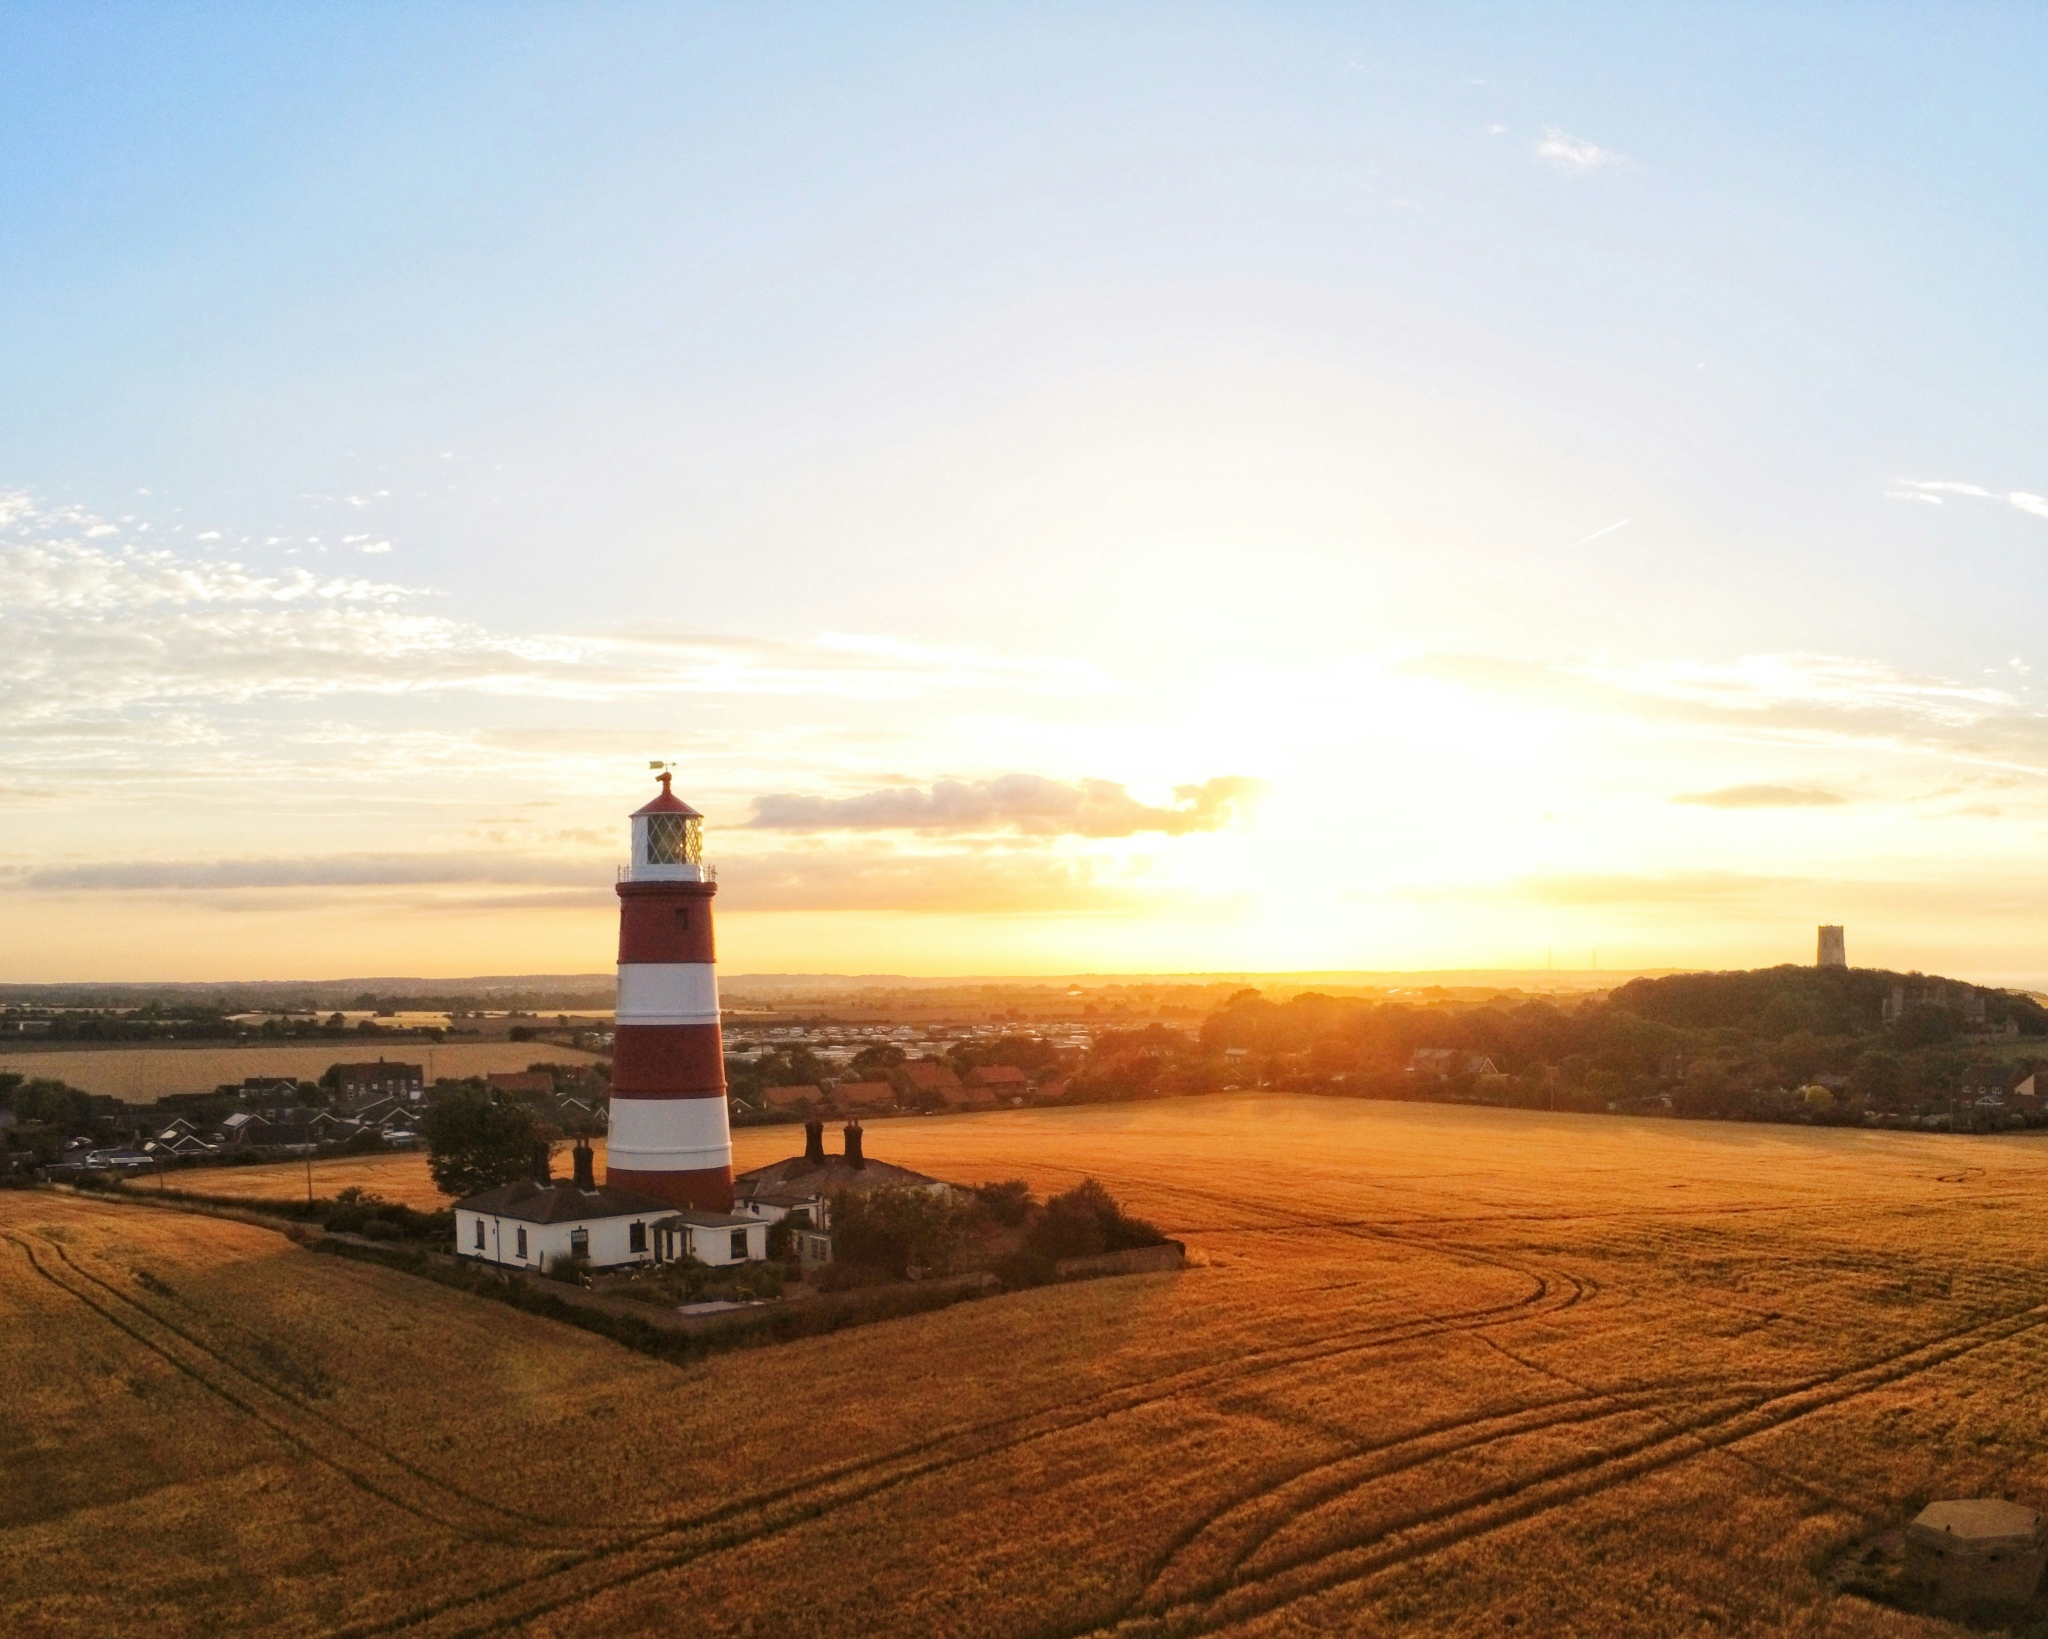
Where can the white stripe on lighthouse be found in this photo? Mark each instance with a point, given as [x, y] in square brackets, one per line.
[668, 1135]
[667, 993]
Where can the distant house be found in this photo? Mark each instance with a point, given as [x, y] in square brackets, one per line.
[864, 1095]
[1442, 1063]
[243, 1128]
[793, 1098]
[521, 1083]
[1004, 1080]
[926, 1081]
[1991, 1084]
[252, 1088]
[364, 1083]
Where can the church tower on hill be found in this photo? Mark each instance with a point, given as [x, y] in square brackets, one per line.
[669, 1134]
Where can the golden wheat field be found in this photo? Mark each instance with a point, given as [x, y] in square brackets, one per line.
[139, 1073]
[1434, 1371]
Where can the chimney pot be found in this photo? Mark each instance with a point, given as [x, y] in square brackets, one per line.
[543, 1168]
[586, 1165]
[814, 1143]
[852, 1134]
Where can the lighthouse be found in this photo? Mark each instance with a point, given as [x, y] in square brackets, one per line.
[669, 1136]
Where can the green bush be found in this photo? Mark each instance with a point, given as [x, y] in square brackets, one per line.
[1086, 1221]
[1009, 1202]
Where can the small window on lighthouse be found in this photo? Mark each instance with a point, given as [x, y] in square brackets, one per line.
[675, 839]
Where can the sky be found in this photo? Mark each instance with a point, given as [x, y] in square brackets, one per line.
[1071, 488]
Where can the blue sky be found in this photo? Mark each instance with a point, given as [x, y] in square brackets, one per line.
[1480, 430]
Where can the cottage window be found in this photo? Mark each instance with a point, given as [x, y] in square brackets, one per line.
[479, 1234]
[522, 1242]
[636, 1238]
[739, 1244]
[579, 1243]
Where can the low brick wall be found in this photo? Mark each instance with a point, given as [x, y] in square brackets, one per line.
[1134, 1260]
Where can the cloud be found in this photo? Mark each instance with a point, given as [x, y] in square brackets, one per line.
[1575, 155]
[980, 883]
[1025, 803]
[1805, 701]
[97, 629]
[960, 882]
[1664, 888]
[1762, 796]
[1932, 491]
[325, 871]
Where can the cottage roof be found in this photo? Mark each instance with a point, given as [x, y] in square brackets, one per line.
[805, 1094]
[560, 1203]
[930, 1076]
[998, 1075]
[702, 1220]
[865, 1092]
[791, 1182]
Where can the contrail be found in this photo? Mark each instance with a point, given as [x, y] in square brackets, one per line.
[1609, 530]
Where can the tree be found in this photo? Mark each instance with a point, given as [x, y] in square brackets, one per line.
[874, 1063]
[476, 1142]
[1087, 1220]
[894, 1229]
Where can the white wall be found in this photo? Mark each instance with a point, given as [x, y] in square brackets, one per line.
[610, 1240]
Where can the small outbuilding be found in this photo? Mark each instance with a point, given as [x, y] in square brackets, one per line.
[1977, 1548]
[716, 1238]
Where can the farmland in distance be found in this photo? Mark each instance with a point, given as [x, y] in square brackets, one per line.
[1434, 1371]
[140, 1074]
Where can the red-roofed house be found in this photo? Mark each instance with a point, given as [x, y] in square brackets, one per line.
[1004, 1080]
[928, 1079]
[521, 1083]
[791, 1098]
[864, 1095]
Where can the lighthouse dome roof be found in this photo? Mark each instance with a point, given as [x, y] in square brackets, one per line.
[667, 803]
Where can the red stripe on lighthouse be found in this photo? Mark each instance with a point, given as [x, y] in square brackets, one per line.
[668, 1061]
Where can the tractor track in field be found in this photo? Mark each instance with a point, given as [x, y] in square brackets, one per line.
[1549, 1293]
[311, 1411]
[1310, 1485]
[846, 1484]
[1356, 1557]
[668, 1546]
[385, 1488]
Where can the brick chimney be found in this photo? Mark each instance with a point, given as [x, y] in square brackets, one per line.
[543, 1169]
[814, 1143]
[585, 1158]
[854, 1158]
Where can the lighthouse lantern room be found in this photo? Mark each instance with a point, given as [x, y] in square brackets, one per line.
[669, 1135]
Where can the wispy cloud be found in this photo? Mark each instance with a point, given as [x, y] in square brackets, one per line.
[1576, 156]
[1028, 804]
[96, 628]
[1931, 492]
[327, 871]
[1762, 796]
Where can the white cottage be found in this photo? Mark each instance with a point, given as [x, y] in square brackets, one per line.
[529, 1225]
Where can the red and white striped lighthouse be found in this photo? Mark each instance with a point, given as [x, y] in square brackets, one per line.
[669, 1136]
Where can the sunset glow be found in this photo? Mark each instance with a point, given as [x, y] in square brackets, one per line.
[1357, 493]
